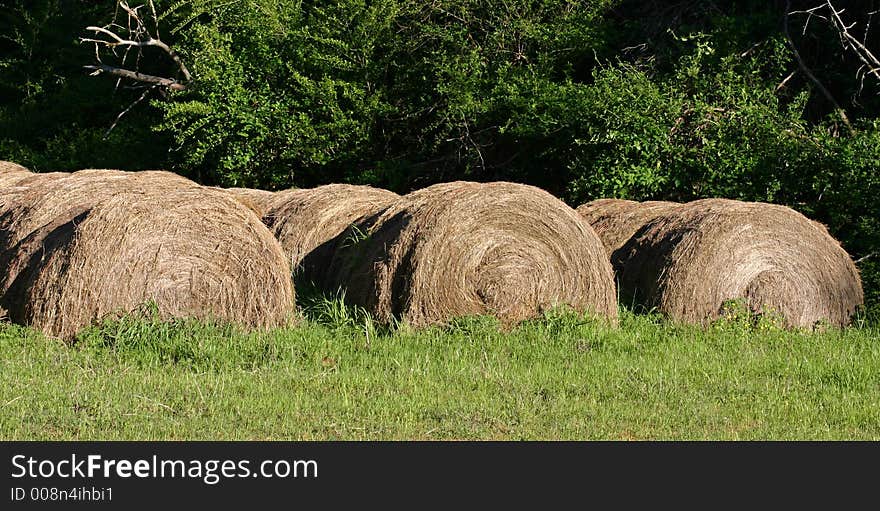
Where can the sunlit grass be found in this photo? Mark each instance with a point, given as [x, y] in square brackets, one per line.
[336, 375]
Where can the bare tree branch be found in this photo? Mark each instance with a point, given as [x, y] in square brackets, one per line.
[139, 37]
[826, 11]
[168, 83]
[784, 82]
[127, 109]
[862, 51]
[119, 41]
[862, 259]
[806, 70]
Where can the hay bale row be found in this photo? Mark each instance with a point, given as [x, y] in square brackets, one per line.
[448, 250]
[462, 248]
[687, 260]
[76, 247]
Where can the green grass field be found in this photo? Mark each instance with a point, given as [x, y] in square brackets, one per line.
[335, 376]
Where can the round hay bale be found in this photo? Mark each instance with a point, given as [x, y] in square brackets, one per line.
[463, 248]
[617, 220]
[192, 251]
[308, 221]
[688, 262]
[257, 200]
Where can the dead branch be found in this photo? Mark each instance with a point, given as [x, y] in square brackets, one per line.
[862, 51]
[826, 11]
[168, 83]
[806, 70]
[139, 37]
[128, 109]
[865, 258]
[784, 82]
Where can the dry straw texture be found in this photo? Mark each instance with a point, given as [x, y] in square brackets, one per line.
[462, 248]
[11, 173]
[58, 196]
[617, 220]
[257, 200]
[692, 259]
[74, 249]
[307, 222]
[8, 166]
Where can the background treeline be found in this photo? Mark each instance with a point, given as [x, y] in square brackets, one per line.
[608, 98]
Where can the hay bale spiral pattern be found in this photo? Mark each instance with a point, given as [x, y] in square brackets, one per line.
[76, 248]
[689, 261]
[465, 248]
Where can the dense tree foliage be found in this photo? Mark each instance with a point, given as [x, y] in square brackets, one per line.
[645, 100]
